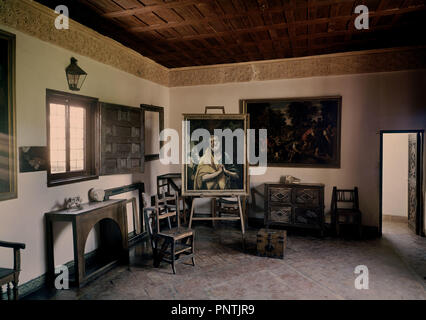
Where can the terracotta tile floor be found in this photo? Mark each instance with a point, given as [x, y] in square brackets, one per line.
[313, 268]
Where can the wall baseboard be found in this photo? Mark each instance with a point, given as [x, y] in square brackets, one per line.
[393, 218]
[38, 283]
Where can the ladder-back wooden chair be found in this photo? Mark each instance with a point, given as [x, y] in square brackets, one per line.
[345, 209]
[224, 206]
[165, 189]
[227, 209]
[8, 276]
[175, 244]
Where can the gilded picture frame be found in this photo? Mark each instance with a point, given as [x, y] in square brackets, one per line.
[8, 153]
[302, 132]
[225, 184]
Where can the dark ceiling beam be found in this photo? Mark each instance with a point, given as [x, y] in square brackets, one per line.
[284, 41]
[340, 46]
[381, 6]
[209, 19]
[351, 26]
[152, 8]
[284, 25]
[291, 30]
[312, 15]
[179, 4]
[404, 4]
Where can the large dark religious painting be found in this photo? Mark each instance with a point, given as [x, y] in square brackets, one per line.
[215, 155]
[301, 132]
[7, 117]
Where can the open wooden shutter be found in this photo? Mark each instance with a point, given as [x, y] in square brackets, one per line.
[122, 139]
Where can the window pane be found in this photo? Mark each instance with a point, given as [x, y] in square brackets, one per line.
[57, 138]
[77, 121]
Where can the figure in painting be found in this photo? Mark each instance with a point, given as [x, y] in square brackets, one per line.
[214, 171]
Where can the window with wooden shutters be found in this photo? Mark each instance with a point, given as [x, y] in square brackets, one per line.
[122, 139]
[72, 124]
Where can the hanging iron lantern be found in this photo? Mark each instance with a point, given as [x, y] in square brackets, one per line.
[75, 75]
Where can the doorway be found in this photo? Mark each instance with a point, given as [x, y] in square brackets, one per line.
[401, 179]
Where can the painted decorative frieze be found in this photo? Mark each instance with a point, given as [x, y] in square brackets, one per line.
[384, 60]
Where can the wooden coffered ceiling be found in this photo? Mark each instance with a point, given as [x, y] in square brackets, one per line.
[181, 33]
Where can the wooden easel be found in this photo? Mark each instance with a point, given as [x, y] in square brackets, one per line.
[213, 218]
[238, 197]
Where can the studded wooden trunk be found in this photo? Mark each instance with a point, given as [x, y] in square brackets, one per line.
[271, 243]
[295, 205]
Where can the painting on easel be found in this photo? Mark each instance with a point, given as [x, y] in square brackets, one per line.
[215, 155]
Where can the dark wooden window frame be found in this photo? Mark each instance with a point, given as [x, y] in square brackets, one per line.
[160, 110]
[91, 170]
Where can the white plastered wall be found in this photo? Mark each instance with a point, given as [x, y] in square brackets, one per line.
[395, 174]
[370, 103]
[40, 65]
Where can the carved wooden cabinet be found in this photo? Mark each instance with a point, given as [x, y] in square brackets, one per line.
[295, 205]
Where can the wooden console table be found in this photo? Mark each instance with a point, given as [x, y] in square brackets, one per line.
[113, 246]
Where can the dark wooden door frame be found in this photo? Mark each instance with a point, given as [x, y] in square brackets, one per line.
[420, 164]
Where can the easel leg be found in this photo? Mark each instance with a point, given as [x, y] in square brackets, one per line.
[192, 213]
[242, 221]
[173, 250]
[213, 205]
[192, 250]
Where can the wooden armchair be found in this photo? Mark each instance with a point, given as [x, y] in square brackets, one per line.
[173, 245]
[8, 276]
[345, 209]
